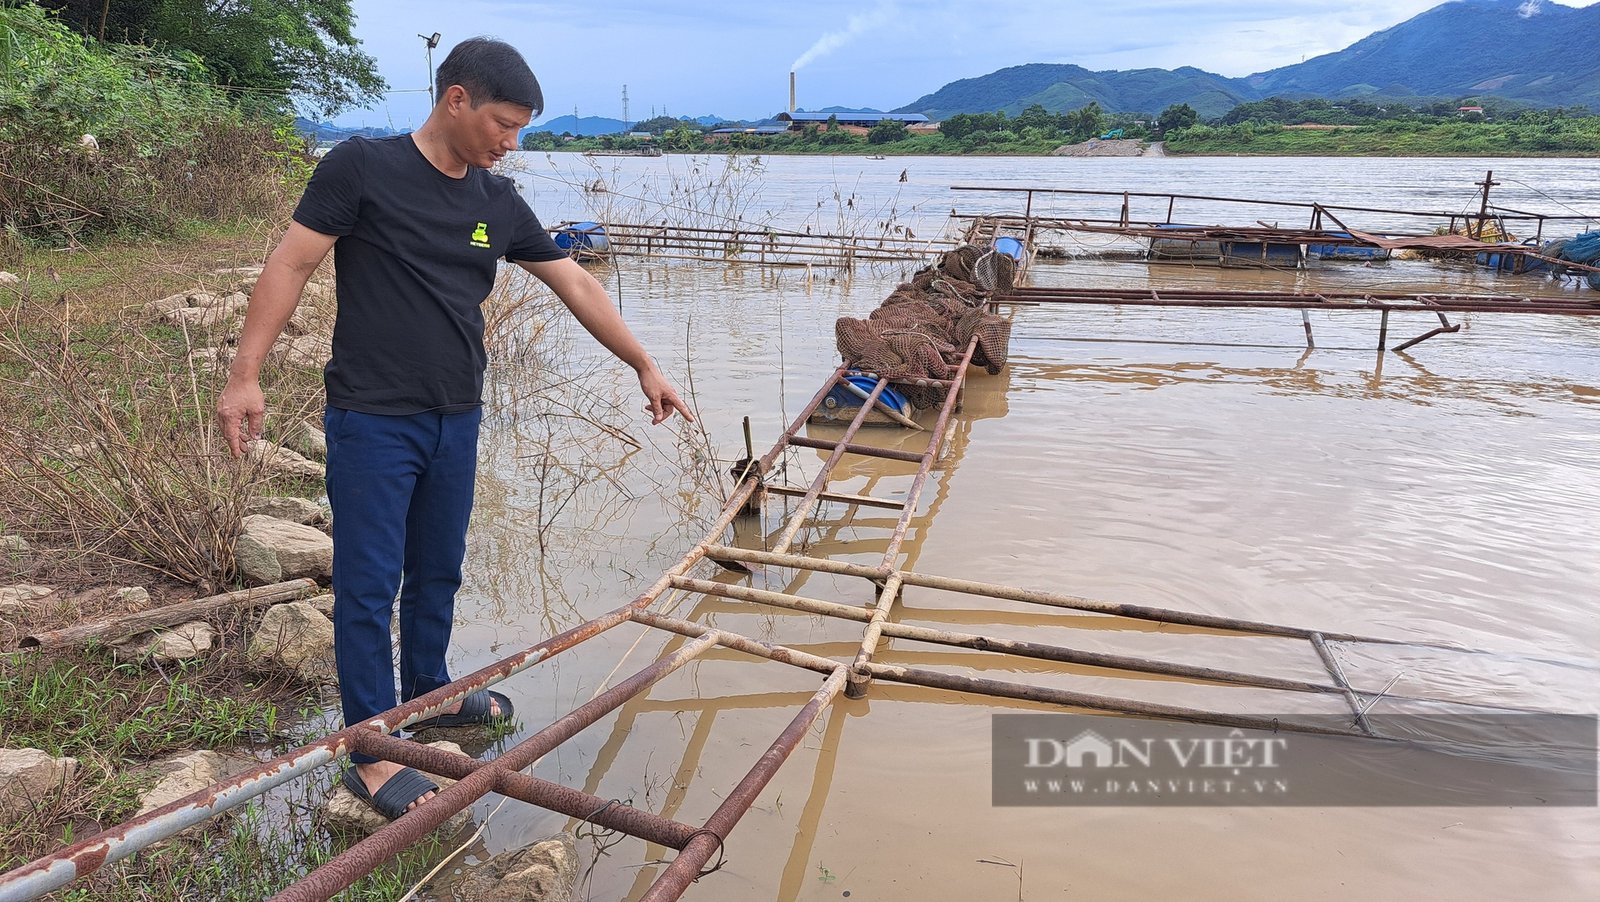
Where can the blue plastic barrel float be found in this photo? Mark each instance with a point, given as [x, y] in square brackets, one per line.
[1011, 247]
[583, 237]
[1346, 251]
[839, 396]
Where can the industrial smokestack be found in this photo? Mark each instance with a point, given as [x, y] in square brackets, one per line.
[791, 92]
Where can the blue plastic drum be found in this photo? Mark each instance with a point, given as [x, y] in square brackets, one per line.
[843, 397]
[583, 236]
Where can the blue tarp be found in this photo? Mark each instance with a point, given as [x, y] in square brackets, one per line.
[1585, 248]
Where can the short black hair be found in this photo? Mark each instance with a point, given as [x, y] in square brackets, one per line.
[492, 72]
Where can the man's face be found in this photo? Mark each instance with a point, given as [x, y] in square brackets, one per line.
[487, 132]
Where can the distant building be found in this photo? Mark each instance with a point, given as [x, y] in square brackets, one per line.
[1464, 110]
[641, 136]
[722, 134]
[856, 123]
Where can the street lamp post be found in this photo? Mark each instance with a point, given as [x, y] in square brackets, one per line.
[432, 41]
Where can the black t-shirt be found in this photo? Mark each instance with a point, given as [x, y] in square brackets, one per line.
[416, 257]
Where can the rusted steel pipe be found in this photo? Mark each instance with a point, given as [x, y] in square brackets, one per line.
[1283, 300]
[776, 599]
[90, 854]
[780, 653]
[929, 455]
[344, 869]
[1246, 200]
[860, 679]
[823, 444]
[793, 561]
[803, 509]
[685, 869]
[836, 497]
[1037, 650]
[1337, 673]
[533, 790]
[883, 406]
[1142, 612]
[1004, 689]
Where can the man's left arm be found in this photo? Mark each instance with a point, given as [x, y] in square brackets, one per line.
[592, 307]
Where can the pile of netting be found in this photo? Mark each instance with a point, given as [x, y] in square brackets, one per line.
[1583, 249]
[922, 330]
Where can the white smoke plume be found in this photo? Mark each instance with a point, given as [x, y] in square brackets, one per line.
[857, 25]
[1529, 9]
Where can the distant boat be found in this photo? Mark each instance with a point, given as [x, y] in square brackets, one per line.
[877, 157]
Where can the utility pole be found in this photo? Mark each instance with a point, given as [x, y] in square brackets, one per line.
[624, 107]
[1483, 208]
[432, 41]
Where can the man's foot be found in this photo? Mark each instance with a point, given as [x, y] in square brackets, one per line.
[494, 707]
[383, 779]
[484, 707]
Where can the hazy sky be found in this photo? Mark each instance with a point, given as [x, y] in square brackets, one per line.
[732, 59]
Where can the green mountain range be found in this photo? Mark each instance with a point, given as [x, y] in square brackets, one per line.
[1532, 51]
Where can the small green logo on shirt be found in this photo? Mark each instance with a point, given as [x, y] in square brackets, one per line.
[480, 235]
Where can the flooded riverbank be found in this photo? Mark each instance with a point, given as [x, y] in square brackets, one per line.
[1201, 460]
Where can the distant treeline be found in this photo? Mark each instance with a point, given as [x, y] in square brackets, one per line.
[1035, 131]
[1318, 127]
[1277, 125]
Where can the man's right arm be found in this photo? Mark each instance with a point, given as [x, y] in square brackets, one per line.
[241, 409]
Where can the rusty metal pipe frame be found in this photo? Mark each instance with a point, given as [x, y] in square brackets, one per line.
[1246, 200]
[1069, 698]
[1248, 300]
[349, 866]
[860, 680]
[641, 230]
[686, 867]
[929, 455]
[1337, 674]
[91, 853]
[1058, 600]
[1372, 299]
[780, 653]
[879, 625]
[822, 444]
[533, 790]
[820, 482]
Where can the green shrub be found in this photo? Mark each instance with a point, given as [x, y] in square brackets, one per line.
[170, 148]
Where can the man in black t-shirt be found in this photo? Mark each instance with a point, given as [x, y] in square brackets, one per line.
[418, 225]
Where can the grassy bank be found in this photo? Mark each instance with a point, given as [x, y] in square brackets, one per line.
[82, 361]
[113, 718]
[1557, 138]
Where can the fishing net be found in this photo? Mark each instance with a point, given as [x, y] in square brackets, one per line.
[1584, 248]
[921, 330]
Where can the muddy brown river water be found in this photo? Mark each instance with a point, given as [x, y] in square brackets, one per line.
[1201, 460]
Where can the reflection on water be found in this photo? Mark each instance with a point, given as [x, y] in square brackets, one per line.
[1193, 459]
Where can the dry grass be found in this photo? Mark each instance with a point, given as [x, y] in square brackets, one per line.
[109, 454]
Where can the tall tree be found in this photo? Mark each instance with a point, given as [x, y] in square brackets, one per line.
[272, 53]
[1179, 115]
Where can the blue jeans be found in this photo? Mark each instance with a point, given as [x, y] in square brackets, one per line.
[401, 492]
